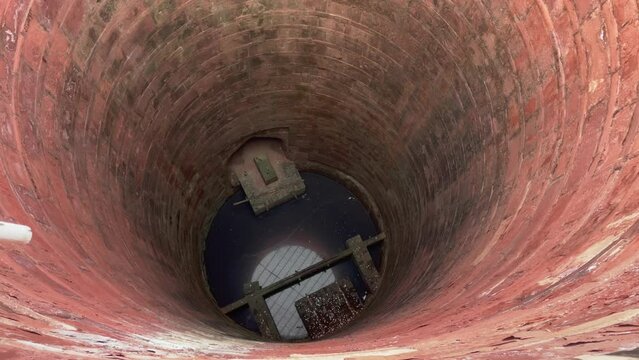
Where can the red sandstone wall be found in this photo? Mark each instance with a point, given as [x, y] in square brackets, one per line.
[498, 139]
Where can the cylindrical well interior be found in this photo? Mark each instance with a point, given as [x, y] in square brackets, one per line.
[496, 139]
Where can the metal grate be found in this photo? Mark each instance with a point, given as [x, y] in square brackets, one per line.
[279, 264]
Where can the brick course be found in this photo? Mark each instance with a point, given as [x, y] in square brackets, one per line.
[497, 139]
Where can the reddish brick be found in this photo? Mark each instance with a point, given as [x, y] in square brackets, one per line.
[29, 200]
[7, 137]
[15, 12]
[47, 123]
[35, 43]
[584, 8]
[412, 98]
[520, 7]
[629, 59]
[27, 93]
[74, 19]
[15, 169]
[46, 11]
[625, 11]
[5, 77]
[57, 59]
[540, 38]
[551, 91]
[594, 34]
[513, 116]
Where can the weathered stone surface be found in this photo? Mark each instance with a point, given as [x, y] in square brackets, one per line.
[498, 139]
[364, 263]
[267, 176]
[329, 309]
[260, 311]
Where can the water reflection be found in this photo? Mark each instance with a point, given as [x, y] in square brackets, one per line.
[315, 225]
[279, 264]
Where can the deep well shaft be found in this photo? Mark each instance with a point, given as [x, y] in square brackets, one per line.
[498, 140]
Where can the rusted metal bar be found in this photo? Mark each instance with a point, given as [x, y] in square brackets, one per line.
[303, 274]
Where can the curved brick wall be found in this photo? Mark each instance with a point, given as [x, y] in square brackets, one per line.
[498, 139]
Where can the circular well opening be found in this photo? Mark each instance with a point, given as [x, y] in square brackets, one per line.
[313, 229]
